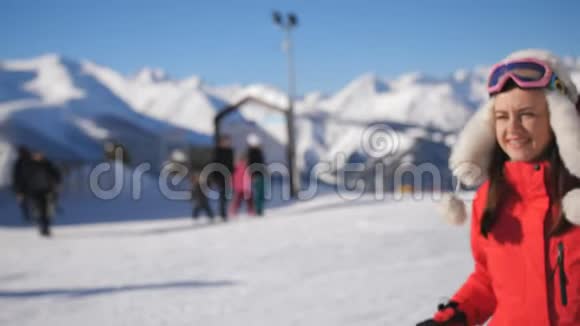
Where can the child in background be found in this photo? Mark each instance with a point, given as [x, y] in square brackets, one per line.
[257, 172]
[242, 184]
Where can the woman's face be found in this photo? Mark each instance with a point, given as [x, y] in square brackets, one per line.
[522, 125]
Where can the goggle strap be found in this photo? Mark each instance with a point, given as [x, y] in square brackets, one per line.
[557, 84]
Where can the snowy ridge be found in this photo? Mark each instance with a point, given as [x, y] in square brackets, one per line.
[64, 107]
[153, 103]
[52, 84]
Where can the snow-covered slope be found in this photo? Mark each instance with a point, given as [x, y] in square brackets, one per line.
[327, 261]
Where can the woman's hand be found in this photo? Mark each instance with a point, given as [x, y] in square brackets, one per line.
[447, 315]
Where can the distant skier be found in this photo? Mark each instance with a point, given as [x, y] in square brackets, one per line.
[242, 185]
[224, 156]
[18, 181]
[199, 196]
[257, 170]
[38, 181]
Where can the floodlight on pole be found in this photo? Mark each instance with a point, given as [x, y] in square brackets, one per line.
[287, 23]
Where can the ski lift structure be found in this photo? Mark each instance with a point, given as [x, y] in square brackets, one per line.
[253, 101]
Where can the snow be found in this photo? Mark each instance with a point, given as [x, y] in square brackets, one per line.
[7, 156]
[327, 261]
[149, 75]
[411, 99]
[91, 129]
[150, 92]
[70, 108]
[149, 105]
[266, 93]
[52, 82]
[461, 75]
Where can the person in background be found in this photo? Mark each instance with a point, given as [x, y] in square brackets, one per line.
[18, 181]
[39, 182]
[257, 170]
[199, 196]
[224, 156]
[242, 185]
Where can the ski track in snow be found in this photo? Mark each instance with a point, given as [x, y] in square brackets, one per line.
[322, 262]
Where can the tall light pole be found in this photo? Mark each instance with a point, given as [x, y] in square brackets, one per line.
[287, 23]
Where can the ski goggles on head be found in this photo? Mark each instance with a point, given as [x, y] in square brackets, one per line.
[526, 73]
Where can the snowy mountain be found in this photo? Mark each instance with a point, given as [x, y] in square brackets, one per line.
[64, 107]
[72, 106]
[410, 98]
[150, 75]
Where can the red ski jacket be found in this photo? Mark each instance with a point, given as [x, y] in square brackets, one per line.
[522, 276]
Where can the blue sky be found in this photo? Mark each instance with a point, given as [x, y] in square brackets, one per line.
[228, 42]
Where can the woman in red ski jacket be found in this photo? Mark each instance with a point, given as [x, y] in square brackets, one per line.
[525, 234]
